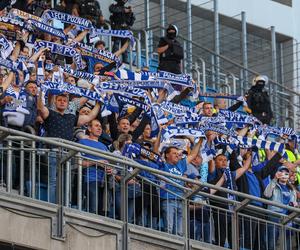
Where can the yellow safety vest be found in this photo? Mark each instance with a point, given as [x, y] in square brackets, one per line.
[261, 153]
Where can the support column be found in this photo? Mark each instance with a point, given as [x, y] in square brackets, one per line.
[33, 174]
[58, 223]
[124, 208]
[216, 43]
[190, 45]
[148, 37]
[273, 89]
[244, 51]
[162, 17]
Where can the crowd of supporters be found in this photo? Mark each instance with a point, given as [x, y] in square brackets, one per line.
[259, 171]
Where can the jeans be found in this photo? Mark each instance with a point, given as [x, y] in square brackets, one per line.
[52, 176]
[172, 216]
[252, 231]
[273, 235]
[200, 231]
[134, 200]
[94, 193]
[149, 220]
[223, 226]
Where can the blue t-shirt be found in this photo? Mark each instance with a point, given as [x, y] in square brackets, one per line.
[192, 172]
[178, 169]
[258, 168]
[147, 174]
[254, 187]
[90, 173]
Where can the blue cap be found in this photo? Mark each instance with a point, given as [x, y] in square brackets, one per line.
[281, 168]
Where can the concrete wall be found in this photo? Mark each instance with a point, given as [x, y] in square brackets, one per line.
[36, 232]
[82, 231]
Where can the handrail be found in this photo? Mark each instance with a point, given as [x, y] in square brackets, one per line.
[126, 161]
[229, 61]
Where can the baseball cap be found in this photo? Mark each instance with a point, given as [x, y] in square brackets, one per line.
[283, 168]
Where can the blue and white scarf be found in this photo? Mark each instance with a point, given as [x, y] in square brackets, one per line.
[235, 117]
[247, 142]
[16, 13]
[266, 130]
[196, 120]
[57, 88]
[102, 55]
[12, 21]
[121, 88]
[94, 79]
[229, 182]
[5, 47]
[61, 50]
[46, 28]
[218, 129]
[159, 114]
[172, 131]
[135, 150]
[126, 74]
[121, 100]
[176, 109]
[115, 33]
[177, 79]
[149, 84]
[9, 64]
[66, 18]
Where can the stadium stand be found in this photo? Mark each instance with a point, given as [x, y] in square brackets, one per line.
[86, 133]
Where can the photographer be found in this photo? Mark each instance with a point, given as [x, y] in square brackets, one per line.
[170, 51]
[121, 18]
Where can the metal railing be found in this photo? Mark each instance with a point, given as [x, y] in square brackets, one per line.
[57, 171]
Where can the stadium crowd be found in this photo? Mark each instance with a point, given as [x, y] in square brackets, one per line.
[64, 83]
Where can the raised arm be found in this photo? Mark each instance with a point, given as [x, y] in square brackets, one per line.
[271, 186]
[84, 119]
[271, 166]
[36, 55]
[44, 111]
[194, 151]
[16, 51]
[157, 142]
[8, 81]
[218, 184]
[69, 28]
[81, 36]
[122, 49]
[246, 165]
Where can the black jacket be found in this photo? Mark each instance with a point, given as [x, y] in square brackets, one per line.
[119, 19]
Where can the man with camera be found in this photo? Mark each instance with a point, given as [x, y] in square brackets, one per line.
[122, 18]
[170, 51]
